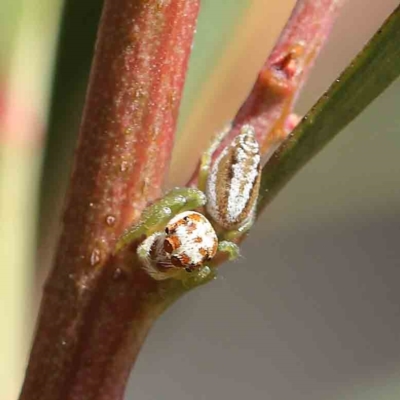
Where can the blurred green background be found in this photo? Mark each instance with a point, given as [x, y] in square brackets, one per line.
[312, 309]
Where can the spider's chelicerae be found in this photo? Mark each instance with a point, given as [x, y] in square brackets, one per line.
[179, 241]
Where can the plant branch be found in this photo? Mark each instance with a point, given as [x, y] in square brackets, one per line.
[96, 308]
[270, 103]
[281, 79]
[372, 71]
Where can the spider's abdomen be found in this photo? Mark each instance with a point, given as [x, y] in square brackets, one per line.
[234, 181]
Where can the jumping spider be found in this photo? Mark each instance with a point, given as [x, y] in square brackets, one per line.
[181, 242]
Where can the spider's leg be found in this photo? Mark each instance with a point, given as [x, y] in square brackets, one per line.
[157, 215]
[232, 249]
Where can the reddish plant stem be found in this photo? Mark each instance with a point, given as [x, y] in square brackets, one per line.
[272, 98]
[97, 309]
[281, 79]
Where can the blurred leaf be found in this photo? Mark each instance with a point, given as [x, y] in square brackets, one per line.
[216, 23]
[372, 71]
